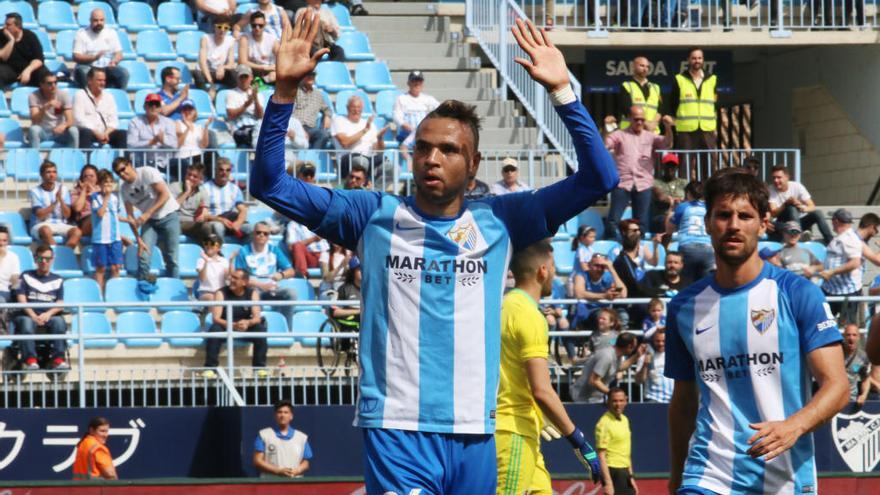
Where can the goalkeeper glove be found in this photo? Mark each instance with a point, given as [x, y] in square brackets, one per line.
[550, 433]
[585, 454]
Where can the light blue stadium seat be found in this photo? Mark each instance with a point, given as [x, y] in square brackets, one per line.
[188, 44]
[607, 247]
[563, 256]
[137, 322]
[258, 214]
[24, 164]
[303, 290]
[18, 231]
[24, 9]
[157, 264]
[220, 103]
[94, 324]
[182, 322]
[240, 160]
[139, 76]
[203, 103]
[170, 290]
[229, 250]
[593, 219]
[56, 16]
[14, 135]
[19, 101]
[661, 254]
[342, 102]
[245, 7]
[817, 248]
[4, 107]
[776, 246]
[121, 290]
[136, 17]
[46, 43]
[103, 157]
[154, 45]
[185, 74]
[25, 255]
[342, 16]
[56, 66]
[65, 263]
[322, 160]
[70, 162]
[356, 46]
[385, 103]
[84, 14]
[83, 290]
[175, 17]
[333, 77]
[307, 322]
[64, 44]
[128, 52]
[123, 104]
[188, 255]
[85, 261]
[373, 76]
[275, 323]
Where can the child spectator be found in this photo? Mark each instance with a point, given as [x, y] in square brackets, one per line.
[106, 237]
[212, 268]
[583, 244]
[656, 319]
[607, 329]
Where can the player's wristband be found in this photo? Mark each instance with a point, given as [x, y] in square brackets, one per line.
[576, 438]
[563, 96]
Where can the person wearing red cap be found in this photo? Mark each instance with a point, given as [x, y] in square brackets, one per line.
[667, 193]
[152, 131]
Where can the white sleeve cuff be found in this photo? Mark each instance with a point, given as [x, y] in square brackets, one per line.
[563, 96]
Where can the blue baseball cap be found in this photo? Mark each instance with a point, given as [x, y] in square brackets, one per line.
[767, 253]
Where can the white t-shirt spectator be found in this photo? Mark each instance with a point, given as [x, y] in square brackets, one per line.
[214, 277]
[93, 113]
[339, 279]
[409, 109]
[190, 145]
[795, 190]
[88, 42]
[217, 55]
[261, 52]
[142, 196]
[297, 232]
[500, 188]
[235, 99]
[841, 249]
[364, 145]
[9, 267]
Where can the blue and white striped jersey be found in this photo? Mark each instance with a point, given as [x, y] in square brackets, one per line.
[746, 348]
[220, 199]
[690, 218]
[106, 229]
[41, 198]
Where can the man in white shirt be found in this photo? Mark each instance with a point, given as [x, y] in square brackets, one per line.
[510, 182]
[790, 201]
[359, 136]
[95, 114]
[410, 108]
[98, 46]
[243, 108]
[843, 266]
[10, 266]
[151, 131]
[51, 114]
[257, 49]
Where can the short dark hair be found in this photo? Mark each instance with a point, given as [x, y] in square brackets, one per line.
[625, 339]
[47, 74]
[674, 253]
[16, 18]
[258, 15]
[693, 49]
[104, 175]
[624, 225]
[167, 71]
[737, 182]
[4, 229]
[357, 167]
[616, 390]
[46, 165]
[244, 273]
[780, 168]
[42, 248]
[525, 262]
[120, 160]
[283, 403]
[869, 220]
[752, 162]
[197, 167]
[694, 188]
[462, 112]
[95, 70]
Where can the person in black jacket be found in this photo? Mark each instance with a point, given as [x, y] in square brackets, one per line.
[629, 266]
[21, 54]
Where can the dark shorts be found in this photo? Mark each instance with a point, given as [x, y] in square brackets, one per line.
[107, 254]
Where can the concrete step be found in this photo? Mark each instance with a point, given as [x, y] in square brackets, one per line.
[381, 36]
[508, 137]
[447, 79]
[400, 8]
[401, 23]
[425, 63]
[388, 51]
[447, 93]
[495, 108]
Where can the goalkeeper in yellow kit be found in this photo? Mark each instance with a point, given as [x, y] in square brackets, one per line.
[524, 390]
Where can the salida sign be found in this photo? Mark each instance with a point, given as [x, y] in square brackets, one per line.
[606, 69]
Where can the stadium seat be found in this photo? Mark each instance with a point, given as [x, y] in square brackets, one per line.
[137, 322]
[303, 290]
[325, 170]
[245, 7]
[776, 246]
[187, 256]
[56, 16]
[203, 103]
[229, 250]
[24, 9]
[170, 290]
[593, 219]
[175, 17]
[661, 254]
[157, 264]
[121, 290]
[24, 164]
[123, 104]
[340, 11]
[70, 162]
[342, 102]
[136, 17]
[356, 46]
[128, 52]
[46, 43]
[188, 44]
[182, 322]
[185, 74]
[64, 44]
[563, 257]
[139, 76]
[14, 135]
[83, 290]
[258, 214]
[385, 103]
[93, 324]
[609, 248]
[19, 101]
[18, 231]
[240, 162]
[333, 77]
[65, 263]
[220, 103]
[57, 67]
[154, 45]
[373, 76]
[817, 248]
[103, 157]
[307, 322]
[84, 14]
[4, 107]
[25, 256]
[275, 323]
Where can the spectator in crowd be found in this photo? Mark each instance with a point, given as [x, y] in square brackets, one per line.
[51, 114]
[81, 213]
[328, 30]
[655, 321]
[600, 370]
[152, 131]
[669, 281]
[275, 17]
[226, 210]
[98, 46]
[358, 136]
[410, 108]
[606, 330]
[667, 193]
[357, 177]
[216, 64]
[632, 262]
[41, 286]
[639, 92]
[650, 370]
[335, 264]
[349, 316]
[145, 189]
[869, 226]
[305, 246]
[107, 213]
[93, 460]
[296, 138]
[310, 102]
[794, 258]
[192, 138]
[476, 189]
[267, 265]
[633, 150]
[95, 113]
[614, 446]
[50, 209]
[357, 7]
[243, 107]
[281, 450]
[843, 273]
[10, 267]
[21, 54]
[208, 11]
[600, 282]
[790, 201]
[582, 245]
[509, 182]
[689, 220]
[212, 268]
[770, 255]
[257, 49]
[858, 367]
[693, 99]
[752, 165]
[188, 194]
[244, 319]
[171, 98]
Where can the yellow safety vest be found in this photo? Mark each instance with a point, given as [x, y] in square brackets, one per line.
[650, 106]
[696, 110]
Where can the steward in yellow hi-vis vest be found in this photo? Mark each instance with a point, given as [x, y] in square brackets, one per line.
[650, 102]
[696, 106]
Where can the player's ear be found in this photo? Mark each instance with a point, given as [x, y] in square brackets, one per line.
[474, 165]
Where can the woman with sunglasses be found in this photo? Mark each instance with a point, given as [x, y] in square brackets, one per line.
[216, 58]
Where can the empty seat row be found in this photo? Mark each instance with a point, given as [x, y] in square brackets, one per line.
[134, 16]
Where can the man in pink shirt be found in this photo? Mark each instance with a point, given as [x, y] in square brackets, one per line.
[633, 151]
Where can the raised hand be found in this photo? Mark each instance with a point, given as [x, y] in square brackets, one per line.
[295, 59]
[547, 65]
